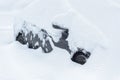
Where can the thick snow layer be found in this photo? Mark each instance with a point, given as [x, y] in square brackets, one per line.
[17, 62]
[41, 12]
[81, 33]
[25, 26]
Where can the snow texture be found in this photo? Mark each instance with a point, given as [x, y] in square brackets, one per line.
[81, 33]
[17, 62]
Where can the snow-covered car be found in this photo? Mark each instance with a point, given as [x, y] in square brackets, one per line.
[59, 24]
[35, 37]
[41, 38]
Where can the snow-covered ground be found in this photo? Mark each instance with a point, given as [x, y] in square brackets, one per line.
[17, 62]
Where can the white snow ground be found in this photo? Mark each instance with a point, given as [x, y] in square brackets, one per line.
[17, 62]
